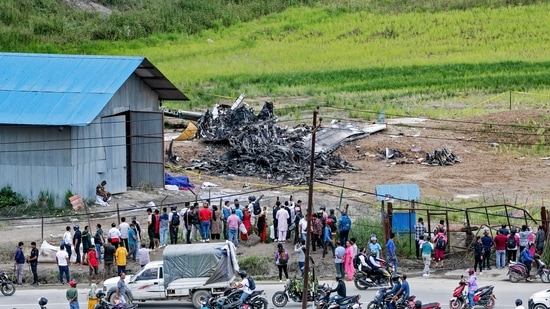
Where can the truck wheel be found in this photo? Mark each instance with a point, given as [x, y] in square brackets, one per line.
[198, 297]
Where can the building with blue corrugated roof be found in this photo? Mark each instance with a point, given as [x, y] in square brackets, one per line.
[69, 121]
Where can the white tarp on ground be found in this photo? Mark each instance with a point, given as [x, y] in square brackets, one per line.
[47, 253]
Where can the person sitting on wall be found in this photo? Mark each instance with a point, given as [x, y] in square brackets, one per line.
[102, 197]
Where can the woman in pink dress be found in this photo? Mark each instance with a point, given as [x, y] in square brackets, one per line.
[348, 261]
[246, 222]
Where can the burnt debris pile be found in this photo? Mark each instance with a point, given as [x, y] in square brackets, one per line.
[258, 147]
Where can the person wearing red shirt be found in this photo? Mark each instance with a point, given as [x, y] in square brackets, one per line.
[205, 215]
[500, 248]
[93, 264]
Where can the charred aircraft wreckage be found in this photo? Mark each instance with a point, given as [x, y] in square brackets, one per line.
[258, 147]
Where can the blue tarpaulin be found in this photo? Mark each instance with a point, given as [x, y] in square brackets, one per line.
[181, 181]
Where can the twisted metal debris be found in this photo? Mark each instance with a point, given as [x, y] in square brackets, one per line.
[260, 148]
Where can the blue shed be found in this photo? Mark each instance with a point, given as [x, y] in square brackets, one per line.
[69, 121]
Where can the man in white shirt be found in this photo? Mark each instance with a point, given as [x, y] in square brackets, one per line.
[244, 286]
[67, 241]
[123, 228]
[303, 227]
[62, 259]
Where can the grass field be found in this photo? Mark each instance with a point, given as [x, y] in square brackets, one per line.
[362, 60]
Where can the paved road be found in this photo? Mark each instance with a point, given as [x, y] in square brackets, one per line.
[427, 290]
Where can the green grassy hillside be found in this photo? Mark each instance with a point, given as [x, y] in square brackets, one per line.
[396, 55]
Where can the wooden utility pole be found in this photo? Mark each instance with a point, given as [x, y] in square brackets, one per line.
[309, 209]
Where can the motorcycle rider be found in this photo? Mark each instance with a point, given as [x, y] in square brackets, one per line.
[519, 304]
[393, 291]
[404, 291]
[244, 285]
[472, 286]
[375, 266]
[340, 289]
[363, 265]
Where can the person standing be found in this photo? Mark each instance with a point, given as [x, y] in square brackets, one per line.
[281, 260]
[327, 241]
[99, 240]
[144, 256]
[174, 221]
[77, 241]
[523, 237]
[339, 254]
[205, 216]
[344, 226]
[478, 254]
[121, 255]
[62, 260]
[86, 244]
[33, 261]
[282, 217]
[114, 234]
[196, 230]
[440, 243]
[246, 219]
[419, 230]
[67, 241]
[316, 232]
[541, 237]
[427, 250]
[276, 209]
[300, 250]
[226, 212]
[121, 288]
[139, 234]
[188, 219]
[123, 227]
[156, 231]
[233, 228]
[500, 249]
[487, 243]
[164, 225]
[348, 261]
[72, 295]
[215, 223]
[390, 252]
[151, 228]
[303, 227]
[262, 225]
[109, 258]
[132, 240]
[19, 262]
[512, 243]
[93, 265]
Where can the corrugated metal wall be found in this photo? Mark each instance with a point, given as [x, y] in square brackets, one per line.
[147, 154]
[34, 159]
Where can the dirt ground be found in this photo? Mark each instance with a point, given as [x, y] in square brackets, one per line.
[489, 170]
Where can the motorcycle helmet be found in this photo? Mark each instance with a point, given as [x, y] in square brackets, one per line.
[417, 304]
[100, 294]
[72, 283]
[518, 302]
[75, 227]
[242, 273]
[471, 271]
[373, 253]
[43, 301]
[395, 278]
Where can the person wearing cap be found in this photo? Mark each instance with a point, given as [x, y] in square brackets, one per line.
[77, 240]
[72, 295]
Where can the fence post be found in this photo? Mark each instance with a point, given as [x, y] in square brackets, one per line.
[510, 99]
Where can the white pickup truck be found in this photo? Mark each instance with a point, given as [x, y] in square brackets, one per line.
[190, 272]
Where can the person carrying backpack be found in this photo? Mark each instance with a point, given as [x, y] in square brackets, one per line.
[247, 285]
[175, 221]
[440, 241]
[344, 226]
[281, 260]
[512, 244]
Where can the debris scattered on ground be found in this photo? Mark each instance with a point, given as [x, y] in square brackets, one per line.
[440, 156]
[259, 147]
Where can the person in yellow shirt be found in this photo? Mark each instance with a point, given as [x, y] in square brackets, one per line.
[120, 256]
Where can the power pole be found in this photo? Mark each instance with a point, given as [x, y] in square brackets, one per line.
[309, 208]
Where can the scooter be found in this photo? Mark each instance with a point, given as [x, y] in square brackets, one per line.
[518, 271]
[103, 304]
[381, 301]
[483, 296]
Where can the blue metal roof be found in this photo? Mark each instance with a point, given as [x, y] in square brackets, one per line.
[406, 192]
[44, 89]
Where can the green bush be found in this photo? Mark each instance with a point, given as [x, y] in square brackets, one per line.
[8, 197]
[256, 266]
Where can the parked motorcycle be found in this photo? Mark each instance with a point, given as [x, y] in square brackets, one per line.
[6, 285]
[381, 301]
[364, 280]
[518, 271]
[483, 296]
[293, 289]
[103, 304]
[323, 300]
